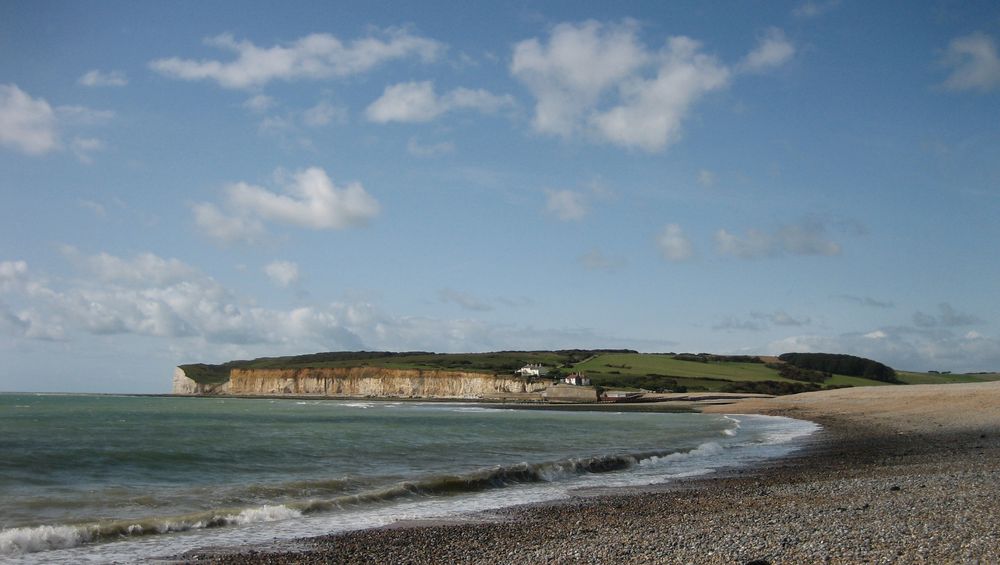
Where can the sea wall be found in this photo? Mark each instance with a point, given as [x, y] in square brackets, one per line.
[361, 382]
[185, 385]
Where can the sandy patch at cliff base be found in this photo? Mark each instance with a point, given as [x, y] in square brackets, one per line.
[909, 408]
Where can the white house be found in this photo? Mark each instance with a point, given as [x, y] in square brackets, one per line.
[533, 370]
[578, 379]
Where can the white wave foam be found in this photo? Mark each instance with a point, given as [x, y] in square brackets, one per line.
[263, 514]
[704, 450]
[16, 541]
[358, 404]
[731, 432]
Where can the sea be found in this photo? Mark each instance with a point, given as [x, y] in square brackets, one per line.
[105, 479]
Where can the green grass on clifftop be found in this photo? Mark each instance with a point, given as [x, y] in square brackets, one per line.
[623, 369]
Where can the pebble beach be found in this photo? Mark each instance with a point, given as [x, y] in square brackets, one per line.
[897, 475]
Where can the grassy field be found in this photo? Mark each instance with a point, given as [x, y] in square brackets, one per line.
[912, 378]
[666, 365]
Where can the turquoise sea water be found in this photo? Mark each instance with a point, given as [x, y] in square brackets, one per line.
[101, 478]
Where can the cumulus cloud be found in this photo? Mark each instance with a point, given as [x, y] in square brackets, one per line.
[673, 244]
[464, 300]
[904, 348]
[566, 205]
[259, 103]
[309, 199]
[760, 321]
[101, 78]
[323, 113]
[26, 124]
[947, 317]
[652, 111]
[282, 273]
[706, 178]
[418, 102]
[85, 147]
[807, 238]
[31, 126]
[569, 73]
[974, 63]
[415, 147]
[814, 9]
[596, 260]
[773, 51]
[600, 80]
[865, 301]
[13, 274]
[315, 56]
[224, 227]
[83, 116]
[201, 312]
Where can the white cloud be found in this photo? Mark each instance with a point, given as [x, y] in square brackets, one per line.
[673, 244]
[101, 78]
[26, 124]
[418, 102]
[323, 113]
[596, 260]
[143, 269]
[315, 56]
[807, 238]
[569, 73]
[706, 178]
[414, 147]
[464, 300]
[83, 116]
[566, 205]
[814, 9]
[259, 103]
[597, 79]
[282, 273]
[13, 274]
[761, 321]
[903, 349]
[773, 51]
[866, 301]
[311, 200]
[782, 318]
[195, 312]
[97, 208]
[227, 228]
[652, 111]
[974, 63]
[947, 317]
[84, 147]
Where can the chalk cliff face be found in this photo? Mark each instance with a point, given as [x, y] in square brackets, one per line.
[184, 385]
[361, 382]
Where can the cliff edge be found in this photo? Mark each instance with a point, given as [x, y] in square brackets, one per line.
[364, 382]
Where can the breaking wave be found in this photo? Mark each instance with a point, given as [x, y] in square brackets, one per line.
[17, 541]
[23, 540]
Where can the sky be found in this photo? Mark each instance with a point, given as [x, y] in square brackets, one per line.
[204, 181]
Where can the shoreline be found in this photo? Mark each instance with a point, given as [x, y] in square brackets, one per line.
[900, 475]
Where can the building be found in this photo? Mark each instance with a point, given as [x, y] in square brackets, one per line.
[533, 370]
[577, 379]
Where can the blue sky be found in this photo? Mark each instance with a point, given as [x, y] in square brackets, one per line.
[194, 181]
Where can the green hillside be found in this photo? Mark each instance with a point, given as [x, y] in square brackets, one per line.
[912, 378]
[625, 369]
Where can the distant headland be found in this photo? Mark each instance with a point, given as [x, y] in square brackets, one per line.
[568, 375]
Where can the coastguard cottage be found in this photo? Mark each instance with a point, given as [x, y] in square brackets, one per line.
[533, 370]
[577, 379]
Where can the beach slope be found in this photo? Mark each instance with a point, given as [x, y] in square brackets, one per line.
[907, 474]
